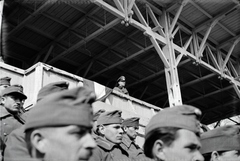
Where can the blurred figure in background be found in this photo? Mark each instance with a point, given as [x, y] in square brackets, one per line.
[96, 115]
[130, 128]
[221, 144]
[120, 86]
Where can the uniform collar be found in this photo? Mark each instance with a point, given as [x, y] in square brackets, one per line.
[126, 140]
[3, 112]
[105, 143]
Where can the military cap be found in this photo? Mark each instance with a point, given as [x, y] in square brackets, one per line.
[5, 81]
[19, 86]
[111, 117]
[221, 139]
[52, 88]
[121, 79]
[182, 116]
[133, 122]
[68, 107]
[97, 114]
[14, 90]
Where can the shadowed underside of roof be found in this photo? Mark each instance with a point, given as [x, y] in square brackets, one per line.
[89, 41]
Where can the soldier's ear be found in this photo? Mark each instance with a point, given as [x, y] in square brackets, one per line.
[214, 156]
[158, 150]
[2, 99]
[101, 130]
[38, 141]
[124, 128]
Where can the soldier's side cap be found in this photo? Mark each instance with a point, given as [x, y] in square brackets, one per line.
[121, 79]
[133, 122]
[52, 88]
[110, 117]
[5, 81]
[97, 114]
[182, 116]
[14, 90]
[68, 107]
[221, 139]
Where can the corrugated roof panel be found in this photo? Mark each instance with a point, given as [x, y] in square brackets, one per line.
[104, 16]
[213, 7]
[110, 57]
[48, 26]
[219, 34]
[232, 21]
[77, 56]
[128, 49]
[32, 37]
[94, 47]
[86, 28]
[21, 50]
[192, 14]
[140, 70]
[110, 36]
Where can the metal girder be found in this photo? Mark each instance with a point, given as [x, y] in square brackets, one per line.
[212, 57]
[171, 73]
[183, 3]
[48, 53]
[88, 38]
[236, 88]
[25, 43]
[230, 52]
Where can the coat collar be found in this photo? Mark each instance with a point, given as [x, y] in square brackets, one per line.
[126, 141]
[4, 112]
[102, 142]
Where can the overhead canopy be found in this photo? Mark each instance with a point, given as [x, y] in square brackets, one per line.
[94, 42]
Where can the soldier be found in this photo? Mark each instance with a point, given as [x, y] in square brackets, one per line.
[108, 143]
[4, 83]
[221, 144]
[95, 127]
[22, 110]
[63, 131]
[16, 146]
[120, 87]
[173, 135]
[130, 127]
[10, 117]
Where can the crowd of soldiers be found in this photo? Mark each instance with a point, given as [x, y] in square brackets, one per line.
[62, 127]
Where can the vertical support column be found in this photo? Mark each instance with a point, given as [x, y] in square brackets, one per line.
[171, 73]
[1, 18]
[38, 79]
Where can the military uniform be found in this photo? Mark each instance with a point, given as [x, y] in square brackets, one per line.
[16, 146]
[8, 123]
[225, 138]
[134, 151]
[122, 90]
[107, 151]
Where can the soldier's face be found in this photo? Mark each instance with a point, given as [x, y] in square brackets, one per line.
[69, 143]
[113, 133]
[232, 155]
[12, 103]
[131, 132]
[184, 148]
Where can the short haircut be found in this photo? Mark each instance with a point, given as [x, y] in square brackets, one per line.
[166, 134]
[208, 156]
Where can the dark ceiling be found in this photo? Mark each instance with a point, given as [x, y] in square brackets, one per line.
[86, 40]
